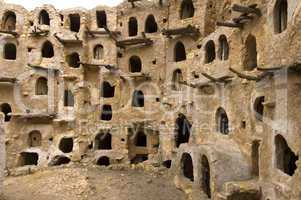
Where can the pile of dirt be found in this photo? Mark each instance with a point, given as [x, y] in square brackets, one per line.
[75, 183]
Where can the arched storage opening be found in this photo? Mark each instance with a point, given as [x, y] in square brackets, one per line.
[141, 139]
[139, 158]
[167, 163]
[151, 25]
[285, 157]
[6, 110]
[133, 27]
[187, 9]
[10, 51]
[9, 21]
[107, 91]
[138, 99]
[42, 86]
[179, 52]
[98, 52]
[68, 98]
[60, 160]
[66, 145]
[74, 22]
[182, 128]
[101, 17]
[223, 51]
[222, 121]
[47, 50]
[103, 141]
[205, 176]
[187, 166]
[34, 139]
[280, 16]
[259, 108]
[135, 64]
[107, 113]
[250, 59]
[103, 161]
[177, 79]
[28, 158]
[73, 60]
[210, 52]
[44, 18]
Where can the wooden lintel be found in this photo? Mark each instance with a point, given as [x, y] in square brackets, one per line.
[107, 66]
[7, 80]
[229, 24]
[242, 18]
[42, 68]
[64, 41]
[182, 31]
[13, 33]
[33, 115]
[249, 77]
[134, 41]
[223, 79]
[247, 10]
[136, 75]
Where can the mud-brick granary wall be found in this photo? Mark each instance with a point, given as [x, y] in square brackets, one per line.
[220, 91]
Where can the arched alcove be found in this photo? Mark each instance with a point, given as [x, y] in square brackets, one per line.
[138, 99]
[6, 110]
[68, 98]
[34, 139]
[177, 78]
[151, 25]
[210, 52]
[103, 161]
[44, 18]
[66, 145]
[133, 27]
[205, 176]
[222, 121]
[280, 16]
[223, 51]
[10, 51]
[187, 9]
[73, 60]
[187, 166]
[259, 108]
[182, 129]
[47, 50]
[179, 52]
[42, 86]
[107, 91]
[135, 64]
[9, 21]
[98, 52]
[250, 58]
[101, 17]
[141, 139]
[107, 113]
[74, 22]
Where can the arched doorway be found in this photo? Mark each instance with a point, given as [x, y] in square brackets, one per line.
[187, 166]
[183, 127]
[205, 174]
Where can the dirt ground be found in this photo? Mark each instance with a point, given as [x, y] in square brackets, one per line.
[74, 183]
